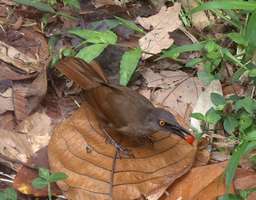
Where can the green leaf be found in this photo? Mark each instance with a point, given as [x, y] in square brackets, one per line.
[37, 4]
[68, 52]
[225, 5]
[44, 173]
[96, 37]
[198, 116]
[247, 103]
[106, 23]
[245, 121]
[252, 73]
[230, 197]
[39, 183]
[238, 38]
[212, 116]
[206, 77]
[57, 177]
[90, 52]
[240, 150]
[238, 74]
[129, 24]
[129, 62]
[230, 123]
[72, 3]
[174, 51]
[245, 193]
[217, 99]
[250, 136]
[251, 33]
[193, 62]
[8, 194]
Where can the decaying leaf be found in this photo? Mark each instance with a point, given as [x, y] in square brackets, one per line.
[6, 101]
[14, 145]
[18, 59]
[27, 95]
[201, 183]
[37, 128]
[25, 175]
[78, 148]
[175, 89]
[245, 179]
[199, 20]
[167, 20]
[204, 102]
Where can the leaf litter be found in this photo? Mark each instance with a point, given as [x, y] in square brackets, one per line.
[27, 125]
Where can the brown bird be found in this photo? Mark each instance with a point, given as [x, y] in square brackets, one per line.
[119, 108]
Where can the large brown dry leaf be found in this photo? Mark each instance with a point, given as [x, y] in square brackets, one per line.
[78, 149]
[164, 22]
[176, 89]
[202, 183]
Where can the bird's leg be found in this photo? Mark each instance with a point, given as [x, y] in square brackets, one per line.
[118, 146]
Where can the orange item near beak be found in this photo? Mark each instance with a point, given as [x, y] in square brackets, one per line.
[190, 139]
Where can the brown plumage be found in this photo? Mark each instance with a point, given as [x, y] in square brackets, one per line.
[119, 108]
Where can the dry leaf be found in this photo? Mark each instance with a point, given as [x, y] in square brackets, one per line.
[6, 101]
[27, 95]
[176, 89]
[11, 55]
[199, 19]
[167, 20]
[14, 145]
[200, 183]
[25, 175]
[78, 149]
[37, 128]
[245, 179]
[204, 102]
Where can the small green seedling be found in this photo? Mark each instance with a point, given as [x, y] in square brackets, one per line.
[46, 178]
[8, 194]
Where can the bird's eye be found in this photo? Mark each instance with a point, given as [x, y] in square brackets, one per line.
[161, 122]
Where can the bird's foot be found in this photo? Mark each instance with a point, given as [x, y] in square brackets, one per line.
[123, 151]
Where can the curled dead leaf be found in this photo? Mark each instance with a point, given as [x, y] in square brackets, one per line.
[78, 149]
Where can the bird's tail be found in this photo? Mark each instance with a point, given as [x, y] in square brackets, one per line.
[86, 75]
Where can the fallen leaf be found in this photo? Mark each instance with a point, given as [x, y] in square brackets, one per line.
[78, 149]
[6, 101]
[14, 145]
[27, 95]
[245, 179]
[204, 102]
[7, 121]
[37, 128]
[175, 89]
[12, 56]
[206, 182]
[25, 175]
[199, 20]
[167, 20]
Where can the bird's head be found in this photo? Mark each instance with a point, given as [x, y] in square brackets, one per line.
[167, 122]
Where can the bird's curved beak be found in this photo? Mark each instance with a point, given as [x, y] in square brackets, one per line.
[182, 132]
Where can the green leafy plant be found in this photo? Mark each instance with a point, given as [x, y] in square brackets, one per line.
[94, 42]
[47, 5]
[45, 178]
[237, 116]
[8, 194]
